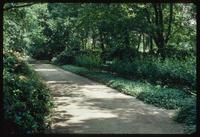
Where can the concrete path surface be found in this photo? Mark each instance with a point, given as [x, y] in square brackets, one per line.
[84, 106]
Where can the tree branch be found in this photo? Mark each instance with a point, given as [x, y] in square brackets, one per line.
[18, 6]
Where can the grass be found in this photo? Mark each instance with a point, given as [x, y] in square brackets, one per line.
[164, 97]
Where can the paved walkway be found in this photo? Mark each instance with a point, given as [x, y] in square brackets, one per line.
[84, 106]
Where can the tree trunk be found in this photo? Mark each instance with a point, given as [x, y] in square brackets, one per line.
[138, 47]
[150, 44]
[159, 38]
[101, 41]
[93, 42]
[126, 39]
[143, 41]
[102, 46]
[170, 22]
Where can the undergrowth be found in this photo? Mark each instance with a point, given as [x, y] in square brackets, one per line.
[26, 100]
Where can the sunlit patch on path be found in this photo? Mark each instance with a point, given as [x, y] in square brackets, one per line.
[85, 106]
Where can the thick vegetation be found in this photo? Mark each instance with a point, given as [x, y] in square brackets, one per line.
[26, 99]
[167, 72]
[145, 50]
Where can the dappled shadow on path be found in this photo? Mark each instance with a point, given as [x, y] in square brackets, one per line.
[85, 106]
[85, 109]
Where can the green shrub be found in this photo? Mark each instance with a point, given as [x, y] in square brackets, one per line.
[188, 115]
[89, 61]
[40, 51]
[44, 49]
[63, 58]
[174, 52]
[121, 52]
[168, 72]
[26, 100]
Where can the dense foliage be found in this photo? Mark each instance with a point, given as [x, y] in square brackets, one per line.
[121, 31]
[65, 57]
[167, 72]
[26, 99]
[188, 114]
[90, 61]
[152, 43]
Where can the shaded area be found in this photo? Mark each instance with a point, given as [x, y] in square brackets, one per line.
[85, 106]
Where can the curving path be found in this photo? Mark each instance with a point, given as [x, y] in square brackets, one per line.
[85, 106]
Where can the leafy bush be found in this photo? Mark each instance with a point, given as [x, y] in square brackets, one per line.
[89, 61]
[26, 99]
[45, 47]
[121, 52]
[174, 52]
[188, 115]
[64, 57]
[168, 72]
[39, 51]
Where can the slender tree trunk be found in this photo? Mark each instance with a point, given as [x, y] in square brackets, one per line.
[101, 41]
[170, 22]
[159, 38]
[138, 47]
[93, 42]
[161, 25]
[102, 47]
[143, 41]
[127, 41]
[150, 44]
